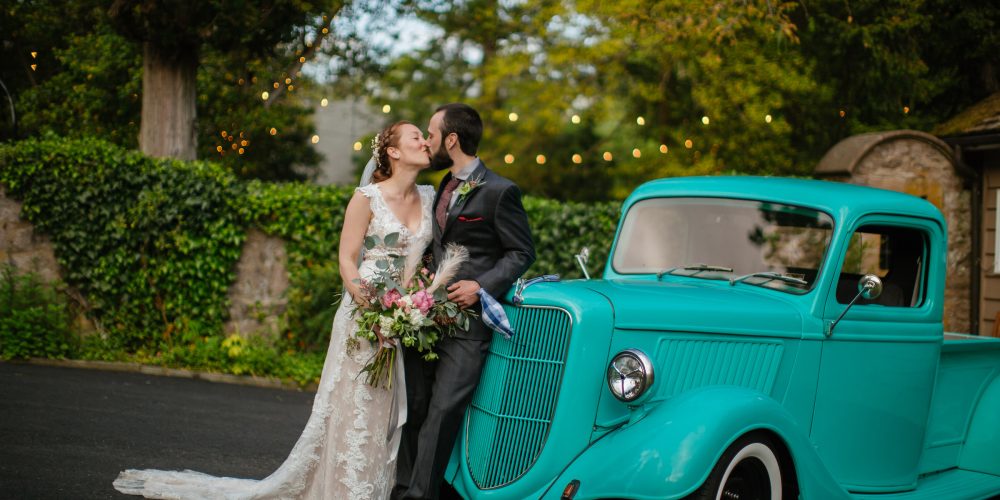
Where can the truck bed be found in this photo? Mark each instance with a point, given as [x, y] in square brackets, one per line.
[969, 363]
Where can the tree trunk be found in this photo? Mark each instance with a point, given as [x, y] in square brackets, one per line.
[169, 90]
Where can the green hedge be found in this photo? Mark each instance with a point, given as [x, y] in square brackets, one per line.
[35, 318]
[152, 245]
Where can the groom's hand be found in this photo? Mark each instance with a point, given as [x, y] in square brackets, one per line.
[464, 293]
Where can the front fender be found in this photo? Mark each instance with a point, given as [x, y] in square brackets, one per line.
[669, 451]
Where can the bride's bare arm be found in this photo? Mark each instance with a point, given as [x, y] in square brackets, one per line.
[356, 219]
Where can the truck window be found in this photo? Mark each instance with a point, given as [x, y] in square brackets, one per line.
[894, 254]
[746, 236]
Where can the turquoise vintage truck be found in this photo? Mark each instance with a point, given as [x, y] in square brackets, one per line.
[750, 338]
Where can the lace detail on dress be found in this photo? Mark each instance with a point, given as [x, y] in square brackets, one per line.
[342, 452]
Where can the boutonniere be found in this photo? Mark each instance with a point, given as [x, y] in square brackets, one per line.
[467, 186]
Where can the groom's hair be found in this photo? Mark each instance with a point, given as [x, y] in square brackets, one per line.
[463, 120]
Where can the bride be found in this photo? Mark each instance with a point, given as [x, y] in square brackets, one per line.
[348, 448]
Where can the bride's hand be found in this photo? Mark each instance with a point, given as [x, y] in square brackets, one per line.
[357, 296]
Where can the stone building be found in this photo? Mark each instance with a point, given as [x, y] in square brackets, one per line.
[958, 170]
[339, 124]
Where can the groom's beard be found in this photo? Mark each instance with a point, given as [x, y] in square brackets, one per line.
[440, 160]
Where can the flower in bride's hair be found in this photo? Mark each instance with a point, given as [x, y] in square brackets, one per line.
[376, 142]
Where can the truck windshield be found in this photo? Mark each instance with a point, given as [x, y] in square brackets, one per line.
[734, 237]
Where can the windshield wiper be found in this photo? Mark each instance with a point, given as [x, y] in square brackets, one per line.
[770, 276]
[697, 268]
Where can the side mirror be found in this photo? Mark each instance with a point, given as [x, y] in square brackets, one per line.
[581, 259]
[869, 287]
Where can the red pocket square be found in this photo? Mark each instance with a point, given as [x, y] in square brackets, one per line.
[463, 218]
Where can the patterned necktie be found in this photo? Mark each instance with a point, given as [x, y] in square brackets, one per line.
[441, 211]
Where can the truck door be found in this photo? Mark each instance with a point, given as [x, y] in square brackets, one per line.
[878, 364]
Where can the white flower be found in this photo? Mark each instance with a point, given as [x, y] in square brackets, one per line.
[385, 323]
[416, 317]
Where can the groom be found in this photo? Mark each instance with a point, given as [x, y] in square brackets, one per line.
[482, 211]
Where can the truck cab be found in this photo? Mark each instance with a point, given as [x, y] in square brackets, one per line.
[749, 338]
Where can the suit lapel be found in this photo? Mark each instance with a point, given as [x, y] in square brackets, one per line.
[478, 174]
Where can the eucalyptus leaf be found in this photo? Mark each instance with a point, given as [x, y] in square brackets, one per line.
[391, 239]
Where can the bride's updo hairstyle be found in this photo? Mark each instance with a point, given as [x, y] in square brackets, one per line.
[387, 138]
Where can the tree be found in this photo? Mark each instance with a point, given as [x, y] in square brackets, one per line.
[173, 36]
[87, 81]
[616, 93]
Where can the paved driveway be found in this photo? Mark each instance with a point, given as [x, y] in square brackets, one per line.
[66, 432]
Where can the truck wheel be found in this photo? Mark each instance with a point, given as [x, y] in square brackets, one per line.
[750, 469]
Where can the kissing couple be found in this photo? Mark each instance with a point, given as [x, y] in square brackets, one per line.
[357, 443]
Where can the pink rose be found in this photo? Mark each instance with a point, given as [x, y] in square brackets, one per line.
[389, 298]
[423, 301]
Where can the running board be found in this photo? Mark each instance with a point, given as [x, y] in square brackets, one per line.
[951, 484]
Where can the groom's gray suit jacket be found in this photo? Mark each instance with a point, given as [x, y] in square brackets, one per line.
[491, 223]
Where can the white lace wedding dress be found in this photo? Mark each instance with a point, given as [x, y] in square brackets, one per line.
[343, 453]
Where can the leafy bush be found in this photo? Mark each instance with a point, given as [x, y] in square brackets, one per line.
[561, 229]
[152, 245]
[35, 318]
[309, 218]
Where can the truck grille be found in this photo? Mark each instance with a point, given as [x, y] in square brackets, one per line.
[511, 411]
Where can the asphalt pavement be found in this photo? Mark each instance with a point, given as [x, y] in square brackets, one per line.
[65, 433]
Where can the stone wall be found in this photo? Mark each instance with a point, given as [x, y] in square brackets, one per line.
[921, 165]
[21, 246]
[257, 298]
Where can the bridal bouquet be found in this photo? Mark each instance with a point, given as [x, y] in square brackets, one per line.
[407, 304]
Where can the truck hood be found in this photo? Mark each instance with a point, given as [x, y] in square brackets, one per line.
[700, 306]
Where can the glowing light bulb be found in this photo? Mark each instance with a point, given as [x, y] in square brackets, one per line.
[386, 108]
[663, 148]
[575, 119]
[324, 102]
[607, 156]
[508, 158]
[640, 120]
[540, 159]
[357, 146]
[636, 153]
[512, 117]
[577, 159]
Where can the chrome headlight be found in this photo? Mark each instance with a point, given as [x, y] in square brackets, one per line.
[630, 374]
